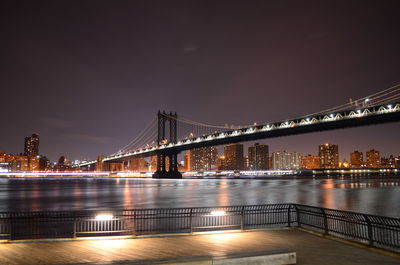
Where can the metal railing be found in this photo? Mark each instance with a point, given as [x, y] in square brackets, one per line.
[372, 230]
[378, 231]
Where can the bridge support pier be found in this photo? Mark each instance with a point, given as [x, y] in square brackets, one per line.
[161, 171]
[172, 172]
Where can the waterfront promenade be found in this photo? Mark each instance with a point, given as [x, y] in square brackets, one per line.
[310, 249]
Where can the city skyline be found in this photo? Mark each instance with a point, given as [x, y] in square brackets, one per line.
[31, 148]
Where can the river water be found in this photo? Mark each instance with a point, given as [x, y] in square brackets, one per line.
[373, 195]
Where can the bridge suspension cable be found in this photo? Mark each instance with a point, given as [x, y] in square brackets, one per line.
[139, 140]
[380, 97]
[191, 122]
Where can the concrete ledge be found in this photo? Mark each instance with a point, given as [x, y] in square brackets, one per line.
[270, 257]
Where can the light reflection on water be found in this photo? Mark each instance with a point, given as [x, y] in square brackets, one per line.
[374, 195]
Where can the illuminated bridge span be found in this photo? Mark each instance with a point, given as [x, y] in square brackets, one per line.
[352, 114]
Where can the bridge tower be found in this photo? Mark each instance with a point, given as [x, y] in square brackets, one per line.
[162, 172]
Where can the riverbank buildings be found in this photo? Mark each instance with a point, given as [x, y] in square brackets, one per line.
[328, 155]
[356, 159]
[310, 162]
[29, 160]
[373, 159]
[286, 160]
[201, 159]
[233, 157]
[258, 156]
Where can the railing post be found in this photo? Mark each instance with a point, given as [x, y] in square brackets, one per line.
[297, 214]
[242, 218]
[325, 221]
[9, 227]
[74, 232]
[370, 233]
[190, 220]
[134, 223]
[289, 218]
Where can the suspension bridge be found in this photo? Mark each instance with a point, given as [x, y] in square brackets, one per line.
[160, 137]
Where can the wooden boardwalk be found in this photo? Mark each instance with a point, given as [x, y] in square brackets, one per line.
[311, 249]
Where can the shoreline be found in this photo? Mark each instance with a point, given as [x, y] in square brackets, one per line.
[276, 177]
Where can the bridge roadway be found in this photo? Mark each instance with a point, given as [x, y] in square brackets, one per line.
[329, 121]
[310, 249]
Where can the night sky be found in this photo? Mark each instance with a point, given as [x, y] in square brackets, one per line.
[89, 75]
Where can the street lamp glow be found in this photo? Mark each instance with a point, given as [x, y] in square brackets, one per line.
[217, 213]
[104, 217]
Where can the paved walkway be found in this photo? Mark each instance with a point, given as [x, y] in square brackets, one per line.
[310, 249]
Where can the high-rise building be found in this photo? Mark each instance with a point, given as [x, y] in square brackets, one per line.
[246, 165]
[310, 162]
[356, 159]
[373, 159]
[186, 161]
[201, 159]
[221, 163]
[329, 155]
[32, 145]
[258, 157]
[234, 157]
[286, 160]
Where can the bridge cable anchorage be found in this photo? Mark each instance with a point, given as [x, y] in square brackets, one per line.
[380, 97]
[139, 137]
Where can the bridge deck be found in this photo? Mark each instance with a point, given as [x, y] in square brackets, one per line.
[310, 249]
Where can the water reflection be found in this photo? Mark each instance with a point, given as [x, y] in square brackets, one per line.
[371, 195]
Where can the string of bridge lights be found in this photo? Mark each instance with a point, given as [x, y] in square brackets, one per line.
[146, 138]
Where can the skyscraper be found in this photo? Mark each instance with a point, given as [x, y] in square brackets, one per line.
[234, 157]
[373, 159]
[356, 159]
[329, 155]
[201, 159]
[221, 163]
[32, 145]
[285, 160]
[310, 162]
[258, 157]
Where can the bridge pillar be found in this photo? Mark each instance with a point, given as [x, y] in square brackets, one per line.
[161, 171]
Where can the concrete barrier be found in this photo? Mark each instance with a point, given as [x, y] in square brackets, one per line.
[269, 257]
